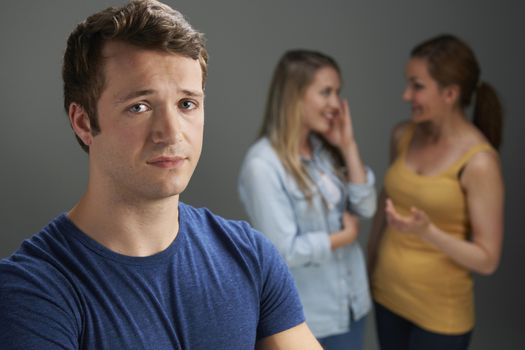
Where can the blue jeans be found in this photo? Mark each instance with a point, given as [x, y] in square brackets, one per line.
[397, 333]
[352, 339]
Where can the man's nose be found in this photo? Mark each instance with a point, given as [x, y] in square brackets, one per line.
[167, 126]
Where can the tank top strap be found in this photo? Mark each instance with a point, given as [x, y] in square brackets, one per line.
[405, 138]
[458, 165]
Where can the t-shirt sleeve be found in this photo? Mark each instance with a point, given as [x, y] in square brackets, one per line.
[281, 308]
[33, 314]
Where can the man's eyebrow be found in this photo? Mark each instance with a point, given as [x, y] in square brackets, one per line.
[140, 93]
[133, 94]
[193, 93]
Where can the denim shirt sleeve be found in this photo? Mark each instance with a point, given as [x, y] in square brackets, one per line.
[270, 209]
[362, 197]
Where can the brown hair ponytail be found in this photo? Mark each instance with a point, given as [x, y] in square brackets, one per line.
[488, 113]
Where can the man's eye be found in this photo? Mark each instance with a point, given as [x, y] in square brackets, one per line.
[138, 108]
[188, 104]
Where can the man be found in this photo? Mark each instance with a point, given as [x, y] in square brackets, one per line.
[131, 267]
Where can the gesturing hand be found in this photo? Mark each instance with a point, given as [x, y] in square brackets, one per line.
[416, 222]
[341, 132]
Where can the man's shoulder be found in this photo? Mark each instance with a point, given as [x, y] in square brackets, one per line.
[202, 222]
[25, 275]
[34, 278]
[36, 294]
[38, 260]
[203, 218]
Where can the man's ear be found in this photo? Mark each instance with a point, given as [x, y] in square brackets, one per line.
[80, 123]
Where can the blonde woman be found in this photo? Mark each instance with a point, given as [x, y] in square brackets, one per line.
[303, 184]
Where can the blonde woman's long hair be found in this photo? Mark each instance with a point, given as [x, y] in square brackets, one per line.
[282, 118]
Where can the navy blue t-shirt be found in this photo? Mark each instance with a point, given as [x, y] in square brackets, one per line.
[219, 285]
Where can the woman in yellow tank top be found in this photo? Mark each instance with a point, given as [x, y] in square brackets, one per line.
[442, 204]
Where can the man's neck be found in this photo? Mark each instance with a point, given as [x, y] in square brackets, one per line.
[133, 229]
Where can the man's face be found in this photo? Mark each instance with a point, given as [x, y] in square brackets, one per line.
[151, 117]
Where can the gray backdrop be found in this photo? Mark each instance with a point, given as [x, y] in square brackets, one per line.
[43, 171]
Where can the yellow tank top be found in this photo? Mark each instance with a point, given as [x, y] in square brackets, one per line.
[413, 278]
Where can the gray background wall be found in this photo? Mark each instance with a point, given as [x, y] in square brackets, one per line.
[43, 171]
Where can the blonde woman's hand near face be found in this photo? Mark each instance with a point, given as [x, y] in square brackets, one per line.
[341, 133]
[341, 136]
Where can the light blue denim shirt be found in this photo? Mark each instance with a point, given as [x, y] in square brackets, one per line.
[330, 283]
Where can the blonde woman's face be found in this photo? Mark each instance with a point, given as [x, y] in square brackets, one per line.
[321, 102]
